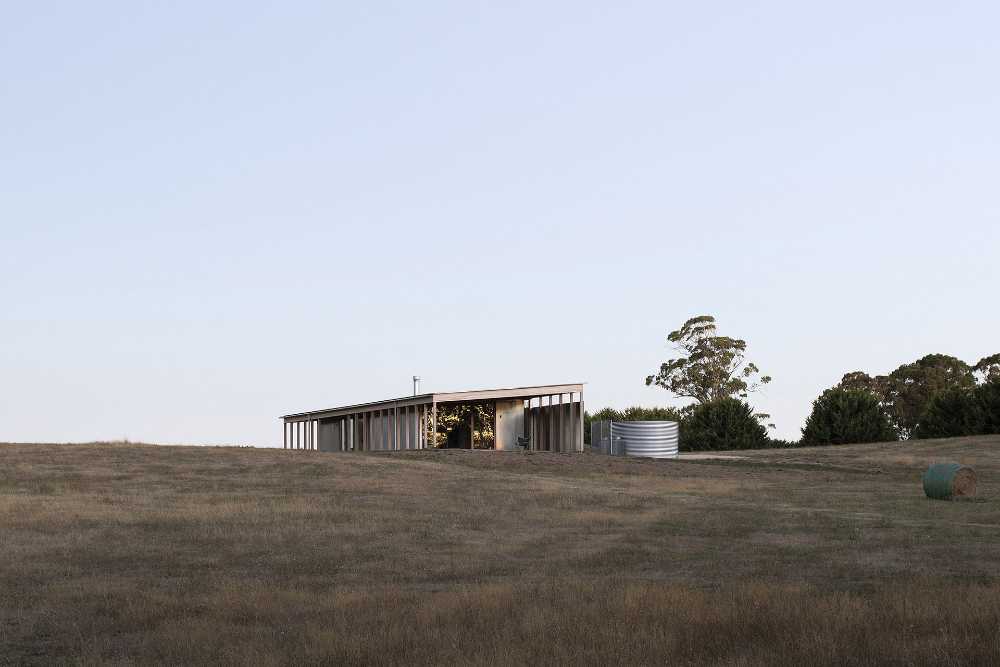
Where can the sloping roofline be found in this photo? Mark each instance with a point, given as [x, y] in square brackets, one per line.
[441, 397]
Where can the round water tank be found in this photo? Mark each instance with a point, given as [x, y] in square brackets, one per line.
[655, 440]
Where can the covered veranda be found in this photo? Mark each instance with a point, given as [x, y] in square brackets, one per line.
[539, 418]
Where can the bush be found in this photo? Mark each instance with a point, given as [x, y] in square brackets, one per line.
[633, 414]
[844, 416]
[640, 414]
[727, 423]
[952, 413]
[778, 443]
[988, 397]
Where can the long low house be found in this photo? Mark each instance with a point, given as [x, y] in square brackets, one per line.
[544, 418]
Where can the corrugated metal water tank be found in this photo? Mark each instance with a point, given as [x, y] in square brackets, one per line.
[655, 440]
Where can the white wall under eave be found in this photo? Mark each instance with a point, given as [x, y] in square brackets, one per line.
[509, 423]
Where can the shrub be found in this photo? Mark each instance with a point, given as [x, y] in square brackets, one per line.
[778, 443]
[952, 413]
[608, 414]
[640, 414]
[727, 423]
[843, 416]
[988, 398]
[601, 415]
[633, 414]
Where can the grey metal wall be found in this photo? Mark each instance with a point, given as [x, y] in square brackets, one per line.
[656, 440]
[555, 427]
[328, 436]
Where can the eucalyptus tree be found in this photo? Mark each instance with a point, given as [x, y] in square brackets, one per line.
[907, 392]
[709, 367]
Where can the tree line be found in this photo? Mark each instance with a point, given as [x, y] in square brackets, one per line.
[935, 396]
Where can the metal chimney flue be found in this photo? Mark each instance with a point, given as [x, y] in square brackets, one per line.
[416, 385]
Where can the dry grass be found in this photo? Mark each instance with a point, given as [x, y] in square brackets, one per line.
[134, 554]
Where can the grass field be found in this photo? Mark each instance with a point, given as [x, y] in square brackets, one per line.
[123, 553]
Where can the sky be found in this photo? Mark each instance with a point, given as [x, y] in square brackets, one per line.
[213, 214]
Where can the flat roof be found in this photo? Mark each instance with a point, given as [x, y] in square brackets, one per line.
[441, 397]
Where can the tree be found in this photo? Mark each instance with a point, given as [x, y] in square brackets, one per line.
[725, 423]
[710, 368]
[861, 381]
[845, 416]
[988, 368]
[958, 412]
[910, 388]
[952, 413]
[988, 398]
[906, 393]
[453, 425]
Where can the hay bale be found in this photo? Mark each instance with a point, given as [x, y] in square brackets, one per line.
[947, 481]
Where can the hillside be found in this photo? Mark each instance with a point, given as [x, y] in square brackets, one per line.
[121, 553]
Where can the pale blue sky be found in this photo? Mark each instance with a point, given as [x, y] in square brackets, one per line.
[215, 213]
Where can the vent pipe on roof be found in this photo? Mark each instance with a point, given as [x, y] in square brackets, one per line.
[416, 385]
